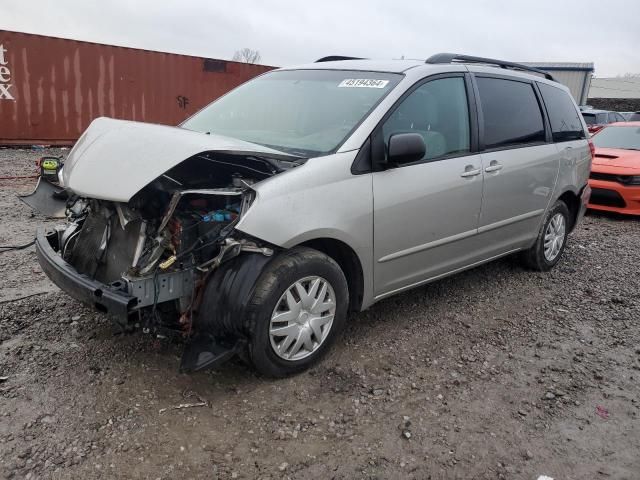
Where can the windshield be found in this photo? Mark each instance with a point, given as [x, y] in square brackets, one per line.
[627, 138]
[301, 112]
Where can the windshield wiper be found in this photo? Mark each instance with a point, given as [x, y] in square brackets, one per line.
[299, 155]
[290, 152]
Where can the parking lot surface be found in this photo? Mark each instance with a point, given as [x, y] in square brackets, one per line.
[497, 372]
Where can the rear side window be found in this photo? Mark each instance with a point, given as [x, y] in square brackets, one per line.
[563, 116]
[511, 113]
[589, 118]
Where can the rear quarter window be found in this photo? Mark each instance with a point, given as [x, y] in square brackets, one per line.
[563, 115]
[511, 113]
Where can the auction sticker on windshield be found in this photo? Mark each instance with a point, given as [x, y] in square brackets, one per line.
[363, 83]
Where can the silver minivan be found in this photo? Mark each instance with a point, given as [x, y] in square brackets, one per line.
[259, 223]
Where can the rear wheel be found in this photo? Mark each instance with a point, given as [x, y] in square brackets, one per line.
[551, 241]
[298, 308]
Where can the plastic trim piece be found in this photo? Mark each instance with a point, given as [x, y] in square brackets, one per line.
[219, 327]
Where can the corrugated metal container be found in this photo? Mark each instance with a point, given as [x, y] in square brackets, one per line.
[51, 88]
[576, 76]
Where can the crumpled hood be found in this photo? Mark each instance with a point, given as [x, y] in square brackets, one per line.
[617, 157]
[115, 159]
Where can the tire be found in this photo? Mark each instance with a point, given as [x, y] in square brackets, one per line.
[303, 317]
[542, 258]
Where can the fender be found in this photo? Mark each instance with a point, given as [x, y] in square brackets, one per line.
[219, 328]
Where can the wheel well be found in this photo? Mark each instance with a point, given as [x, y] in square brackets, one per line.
[572, 202]
[348, 261]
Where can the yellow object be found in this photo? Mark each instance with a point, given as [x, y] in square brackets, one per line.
[168, 262]
[50, 164]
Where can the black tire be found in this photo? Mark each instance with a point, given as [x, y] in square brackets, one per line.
[288, 268]
[534, 258]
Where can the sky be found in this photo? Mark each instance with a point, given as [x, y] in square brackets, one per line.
[288, 32]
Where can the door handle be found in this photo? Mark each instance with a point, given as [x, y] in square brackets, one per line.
[470, 171]
[493, 167]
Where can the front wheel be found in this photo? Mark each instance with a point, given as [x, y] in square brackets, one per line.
[298, 308]
[551, 241]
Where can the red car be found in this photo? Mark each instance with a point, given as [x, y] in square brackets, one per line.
[615, 171]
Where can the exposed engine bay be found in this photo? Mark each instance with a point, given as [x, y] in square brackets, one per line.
[161, 246]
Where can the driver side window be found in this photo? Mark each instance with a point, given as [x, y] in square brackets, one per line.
[437, 110]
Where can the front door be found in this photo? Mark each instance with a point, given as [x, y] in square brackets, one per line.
[426, 213]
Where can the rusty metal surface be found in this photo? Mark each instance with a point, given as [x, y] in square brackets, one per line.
[51, 88]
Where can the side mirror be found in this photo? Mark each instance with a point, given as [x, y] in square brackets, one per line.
[406, 148]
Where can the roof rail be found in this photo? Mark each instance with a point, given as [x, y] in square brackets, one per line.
[335, 58]
[454, 57]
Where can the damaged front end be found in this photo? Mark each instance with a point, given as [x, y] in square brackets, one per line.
[148, 261]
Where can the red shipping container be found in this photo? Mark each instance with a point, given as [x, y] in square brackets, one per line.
[52, 88]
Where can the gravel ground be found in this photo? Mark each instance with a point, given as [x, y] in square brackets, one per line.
[494, 373]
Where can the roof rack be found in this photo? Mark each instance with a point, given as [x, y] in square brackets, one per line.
[335, 58]
[454, 57]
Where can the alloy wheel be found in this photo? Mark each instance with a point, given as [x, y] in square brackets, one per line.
[554, 237]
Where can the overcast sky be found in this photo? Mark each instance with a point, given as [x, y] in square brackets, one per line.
[606, 32]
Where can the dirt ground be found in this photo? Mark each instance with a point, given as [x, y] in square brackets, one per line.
[494, 373]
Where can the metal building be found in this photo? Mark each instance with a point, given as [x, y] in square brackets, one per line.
[51, 88]
[620, 94]
[615, 87]
[576, 76]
